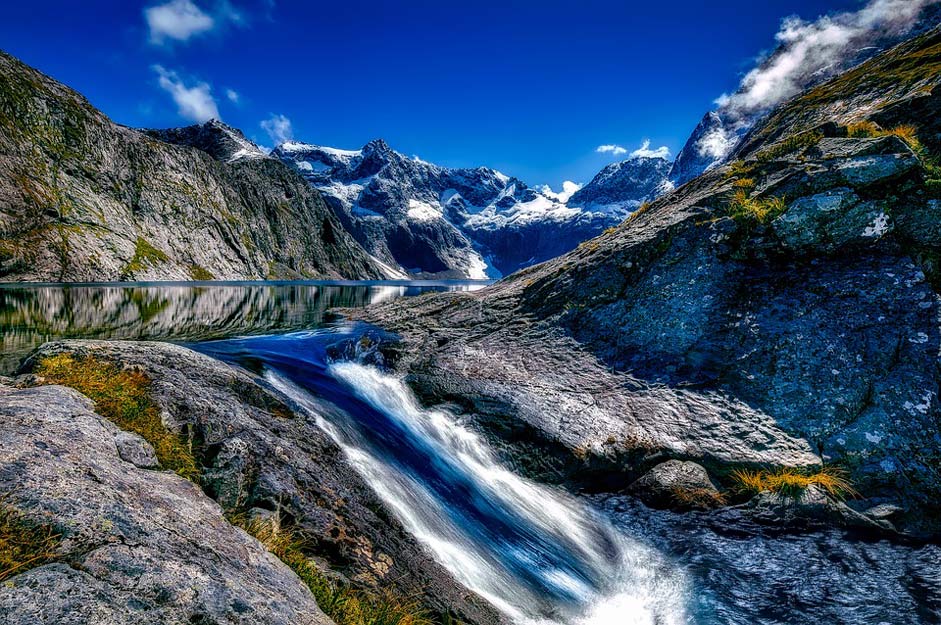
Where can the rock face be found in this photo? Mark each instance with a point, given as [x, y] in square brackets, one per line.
[427, 220]
[138, 546]
[792, 325]
[259, 458]
[84, 199]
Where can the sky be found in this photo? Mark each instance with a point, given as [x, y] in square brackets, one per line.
[543, 90]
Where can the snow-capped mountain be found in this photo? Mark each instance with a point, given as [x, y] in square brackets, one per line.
[426, 220]
[621, 187]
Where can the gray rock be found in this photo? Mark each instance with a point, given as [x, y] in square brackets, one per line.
[830, 220]
[257, 454]
[134, 449]
[677, 484]
[142, 546]
[813, 509]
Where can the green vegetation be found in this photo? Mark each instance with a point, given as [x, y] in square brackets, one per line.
[344, 605]
[789, 145]
[123, 397]
[24, 545]
[200, 273]
[792, 483]
[145, 255]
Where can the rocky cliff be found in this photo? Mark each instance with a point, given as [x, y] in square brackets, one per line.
[781, 311]
[84, 199]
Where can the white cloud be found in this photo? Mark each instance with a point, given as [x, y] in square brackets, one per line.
[644, 151]
[809, 50]
[232, 95]
[194, 102]
[568, 190]
[616, 150]
[180, 20]
[177, 19]
[278, 128]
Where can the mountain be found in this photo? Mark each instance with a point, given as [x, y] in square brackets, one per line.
[807, 55]
[85, 199]
[216, 139]
[621, 187]
[778, 312]
[426, 220]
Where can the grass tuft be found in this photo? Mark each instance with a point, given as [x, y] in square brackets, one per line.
[792, 483]
[24, 545]
[789, 145]
[123, 397]
[762, 210]
[344, 605]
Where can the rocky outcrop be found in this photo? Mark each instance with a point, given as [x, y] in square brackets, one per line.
[216, 139]
[137, 546]
[259, 458]
[778, 311]
[84, 199]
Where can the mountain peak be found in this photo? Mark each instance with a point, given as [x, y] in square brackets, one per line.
[219, 140]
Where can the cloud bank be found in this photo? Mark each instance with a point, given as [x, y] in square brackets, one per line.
[568, 189]
[810, 51]
[194, 102]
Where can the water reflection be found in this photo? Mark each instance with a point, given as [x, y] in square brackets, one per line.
[32, 315]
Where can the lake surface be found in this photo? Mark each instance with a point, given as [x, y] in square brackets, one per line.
[33, 314]
[539, 554]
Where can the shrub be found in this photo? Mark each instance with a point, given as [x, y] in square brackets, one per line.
[343, 604]
[792, 483]
[24, 545]
[123, 397]
[934, 188]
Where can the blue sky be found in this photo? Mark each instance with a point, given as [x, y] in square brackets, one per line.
[529, 87]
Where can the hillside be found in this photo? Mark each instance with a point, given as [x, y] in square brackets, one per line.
[84, 199]
[781, 311]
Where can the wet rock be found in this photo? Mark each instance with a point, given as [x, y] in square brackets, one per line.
[138, 546]
[677, 485]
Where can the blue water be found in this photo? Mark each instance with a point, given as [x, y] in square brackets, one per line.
[535, 552]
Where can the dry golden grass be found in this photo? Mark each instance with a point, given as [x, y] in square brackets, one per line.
[793, 482]
[762, 210]
[123, 397]
[698, 498]
[344, 605]
[24, 545]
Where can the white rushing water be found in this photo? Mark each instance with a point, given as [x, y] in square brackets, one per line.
[563, 562]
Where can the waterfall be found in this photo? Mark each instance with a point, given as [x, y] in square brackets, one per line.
[536, 553]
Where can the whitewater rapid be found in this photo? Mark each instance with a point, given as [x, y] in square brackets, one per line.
[537, 554]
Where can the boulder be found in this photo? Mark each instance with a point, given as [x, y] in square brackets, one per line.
[676, 484]
[138, 546]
